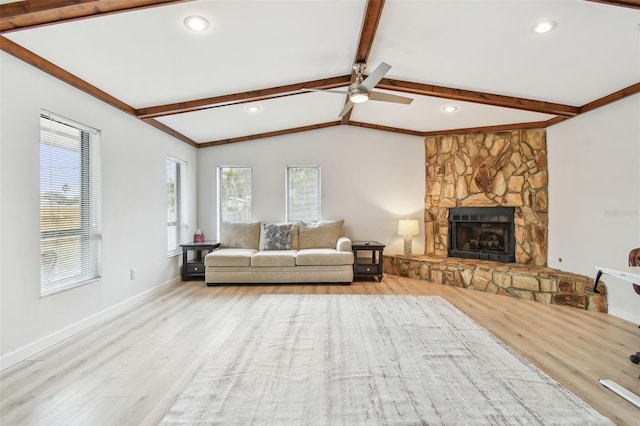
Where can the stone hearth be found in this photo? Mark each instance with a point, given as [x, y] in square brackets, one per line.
[538, 283]
[485, 170]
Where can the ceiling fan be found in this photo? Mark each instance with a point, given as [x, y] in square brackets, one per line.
[362, 89]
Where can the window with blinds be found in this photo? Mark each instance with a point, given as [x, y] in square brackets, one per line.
[70, 204]
[176, 217]
[303, 193]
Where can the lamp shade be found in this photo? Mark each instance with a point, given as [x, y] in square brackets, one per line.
[408, 227]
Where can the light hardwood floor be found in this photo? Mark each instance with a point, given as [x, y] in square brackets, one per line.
[129, 370]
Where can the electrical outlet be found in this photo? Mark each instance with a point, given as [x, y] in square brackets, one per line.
[133, 273]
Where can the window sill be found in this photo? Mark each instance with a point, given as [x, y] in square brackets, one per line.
[174, 253]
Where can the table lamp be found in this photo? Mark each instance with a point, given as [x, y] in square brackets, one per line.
[408, 227]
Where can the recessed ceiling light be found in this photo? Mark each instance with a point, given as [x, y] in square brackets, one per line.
[196, 22]
[449, 108]
[254, 108]
[544, 27]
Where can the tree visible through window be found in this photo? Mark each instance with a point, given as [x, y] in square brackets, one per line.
[303, 193]
[234, 194]
[70, 204]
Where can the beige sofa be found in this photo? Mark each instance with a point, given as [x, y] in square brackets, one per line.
[304, 252]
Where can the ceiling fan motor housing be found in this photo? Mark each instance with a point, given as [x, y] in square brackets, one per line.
[359, 68]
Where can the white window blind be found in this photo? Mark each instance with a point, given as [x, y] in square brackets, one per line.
[234, 194]
[303, 193]
[70, 204]
[176, 211]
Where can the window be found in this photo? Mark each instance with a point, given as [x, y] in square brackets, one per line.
[176, 211]
[303, 193]
[70, 204]
[234, 194]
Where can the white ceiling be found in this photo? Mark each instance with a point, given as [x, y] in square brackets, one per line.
[147, 58]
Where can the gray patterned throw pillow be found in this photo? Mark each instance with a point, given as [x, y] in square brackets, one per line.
[277, 237]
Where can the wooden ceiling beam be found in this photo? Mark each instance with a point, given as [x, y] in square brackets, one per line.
[269, 134]
[385, 128]
[243, 97]
[633, 4]
[35, 13]
[615, 96]
[478, 97]
[370, 21]
[168, 130]
[485, 129]
[555, 120]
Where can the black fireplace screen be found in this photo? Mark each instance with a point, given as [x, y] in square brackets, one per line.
[482, 233]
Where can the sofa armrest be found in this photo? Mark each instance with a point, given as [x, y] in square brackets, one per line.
[343, 244]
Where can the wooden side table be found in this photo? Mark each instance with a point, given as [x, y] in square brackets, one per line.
[194, 268]
[364, 266]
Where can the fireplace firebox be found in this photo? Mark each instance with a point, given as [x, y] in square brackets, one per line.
[486, 233]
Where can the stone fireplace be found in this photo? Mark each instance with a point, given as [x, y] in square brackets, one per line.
[500, 169]
[486, 233]
[487, 172]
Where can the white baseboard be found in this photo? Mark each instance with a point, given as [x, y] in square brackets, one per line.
[31, 349]
[632, 317]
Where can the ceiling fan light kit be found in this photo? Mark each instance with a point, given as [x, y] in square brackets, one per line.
[361, 90]
[357, 96]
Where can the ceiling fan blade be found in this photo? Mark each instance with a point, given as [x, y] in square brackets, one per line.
[341, 92]
[346, 108]
[386, 97]
[375, 77]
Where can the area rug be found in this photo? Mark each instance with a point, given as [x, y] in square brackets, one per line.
[370, 360]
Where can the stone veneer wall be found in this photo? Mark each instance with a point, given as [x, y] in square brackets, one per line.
[489, 169]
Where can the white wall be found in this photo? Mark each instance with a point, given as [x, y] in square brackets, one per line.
[134, 212]
[370, 178]
[594, 196]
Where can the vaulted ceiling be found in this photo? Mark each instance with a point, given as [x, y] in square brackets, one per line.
[482, 57]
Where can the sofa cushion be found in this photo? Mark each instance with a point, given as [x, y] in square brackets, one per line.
[323, 256]
[274, 258]
[240, 235]
[276, 236]
[230, 257]
[323, 234]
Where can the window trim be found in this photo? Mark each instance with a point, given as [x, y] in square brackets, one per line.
[89, 229]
